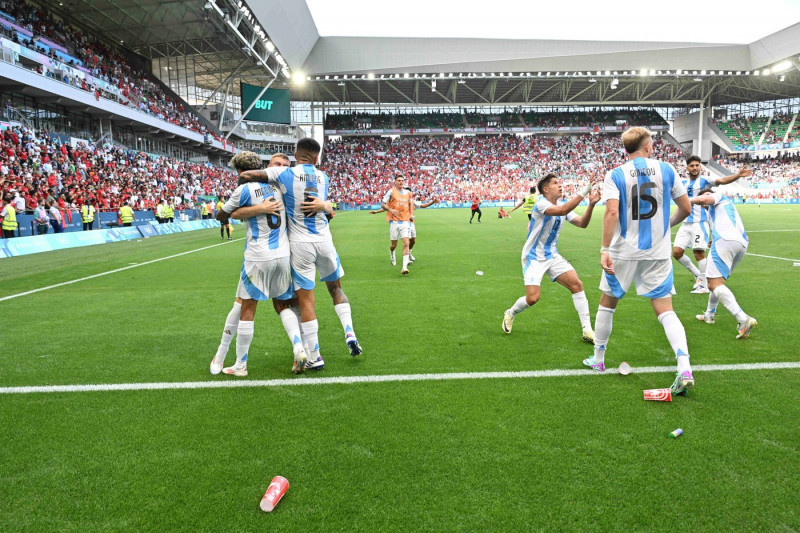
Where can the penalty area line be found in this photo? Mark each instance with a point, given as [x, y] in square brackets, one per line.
[772, 257]
[391, 378]
[135, 265]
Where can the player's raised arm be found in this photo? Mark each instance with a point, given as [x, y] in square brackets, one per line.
[261, 175]
[582, 221]
[744, 172]
[563, 209]
[426, 204]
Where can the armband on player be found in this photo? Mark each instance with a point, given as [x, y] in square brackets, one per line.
[604, 249]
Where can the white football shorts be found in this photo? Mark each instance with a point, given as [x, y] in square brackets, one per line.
[533, 271]
[308, 258]
[653, 278]
[262, 280]
[413, 231]
[725, 255]
[693, 235]
[399, 230]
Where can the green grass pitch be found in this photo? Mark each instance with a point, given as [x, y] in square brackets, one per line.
[579, 453]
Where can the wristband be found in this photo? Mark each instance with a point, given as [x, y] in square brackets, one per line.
[604, 249]
[585, 190]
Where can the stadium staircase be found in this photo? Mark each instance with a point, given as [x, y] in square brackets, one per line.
[764, 133]
[790, 128]
[720, 137]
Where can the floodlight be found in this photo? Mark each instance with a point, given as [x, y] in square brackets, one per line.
[299, 78]
[370, 76]
[783, 65]
[766, 72]
[703, 72]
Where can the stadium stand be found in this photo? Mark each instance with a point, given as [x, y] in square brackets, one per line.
[744, 130]
[74, 57]
[36, 168]
[773, 178]
[457, 169]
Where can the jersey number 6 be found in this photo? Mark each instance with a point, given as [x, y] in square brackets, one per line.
[640, 195]
[277, 221]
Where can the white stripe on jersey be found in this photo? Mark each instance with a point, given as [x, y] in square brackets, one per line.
[543, 232]
[727, 224]
[267, 236]
[296, 184]
[693, 187]
[644, 188]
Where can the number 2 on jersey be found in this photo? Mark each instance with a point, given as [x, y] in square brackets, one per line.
[640, 195]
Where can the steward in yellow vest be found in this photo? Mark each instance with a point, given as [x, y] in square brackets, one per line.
[87, 216]
[126, 216]
[9, 215]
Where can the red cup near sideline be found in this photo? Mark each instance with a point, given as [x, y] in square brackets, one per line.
[274, 493]
[658, 395]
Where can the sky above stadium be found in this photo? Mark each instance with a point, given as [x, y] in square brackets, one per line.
[700, 21]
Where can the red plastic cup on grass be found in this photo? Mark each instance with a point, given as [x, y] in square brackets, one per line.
[274, 493]
[658, 395]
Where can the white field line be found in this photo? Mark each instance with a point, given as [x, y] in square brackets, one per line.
[348, 380]
[134, 265]
[770, 230]
[773, 257]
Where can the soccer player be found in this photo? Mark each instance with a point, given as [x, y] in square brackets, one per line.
[728, 247]
[694, 231]
[526, 203]
[476, 208]
[223, 225]
[266, 272]
[399, 206]
[635, 246]
[540, 256]
[413, 240]
[305, 192]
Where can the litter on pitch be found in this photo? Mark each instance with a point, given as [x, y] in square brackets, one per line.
[479, 272]
[274, 493]
[675, 434]
[625, 368]
[658, 395]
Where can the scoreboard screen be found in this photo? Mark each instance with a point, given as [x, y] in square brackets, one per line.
[273, 106]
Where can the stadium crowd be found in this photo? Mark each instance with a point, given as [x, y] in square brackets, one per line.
[459, 169]
[508, 118]
[777, 178]
[136, 88]
[36, 168]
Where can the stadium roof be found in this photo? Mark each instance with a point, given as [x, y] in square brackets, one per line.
[445, 42]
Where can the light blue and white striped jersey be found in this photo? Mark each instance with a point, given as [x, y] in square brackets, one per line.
[727, 224]
[543, 231]
[296, 183]
[693, 187]
[644, 188]
[267, 236]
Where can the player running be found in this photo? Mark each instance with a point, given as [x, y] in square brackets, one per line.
[636, 246]
[266, 272]
[413, 239]
[540, 256]
[305, 192]
[526, 203]
[694, 232]
[398, 203]
[476, 208]
[727, 249]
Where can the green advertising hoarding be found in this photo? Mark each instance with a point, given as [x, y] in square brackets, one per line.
[273, 106]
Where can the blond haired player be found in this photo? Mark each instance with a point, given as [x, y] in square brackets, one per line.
[399, 205]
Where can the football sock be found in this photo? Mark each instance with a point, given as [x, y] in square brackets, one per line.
[292, 327]
[713, 300]
[519, 306]
[701, 266]
[231, 325]
[311, 336]
[676, 336]
[603, 323]
[406, 260]
[729, 301]
[686, 262]
[243, 340]
[228, 230]
[296, 311]
[582, 307]
[346, 318]
[222, 232]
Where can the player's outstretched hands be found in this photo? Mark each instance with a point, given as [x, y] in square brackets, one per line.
[594, 197]
[745, 172]
[606, 263]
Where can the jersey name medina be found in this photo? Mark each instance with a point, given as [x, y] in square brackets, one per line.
[644, 188]
[267, 236]
[543, 232]
[693, 187]
[297, 184]
[727, 224]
